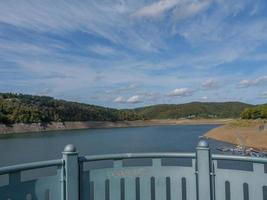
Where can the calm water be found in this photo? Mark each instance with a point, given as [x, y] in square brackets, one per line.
[42, 146]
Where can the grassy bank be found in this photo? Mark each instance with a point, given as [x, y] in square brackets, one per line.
[249, 133]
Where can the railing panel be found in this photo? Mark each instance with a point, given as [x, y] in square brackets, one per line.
[259, 180]
[142, 182]
[255, 181]
[43, 188]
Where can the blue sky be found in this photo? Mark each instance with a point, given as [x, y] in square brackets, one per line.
[127, 54]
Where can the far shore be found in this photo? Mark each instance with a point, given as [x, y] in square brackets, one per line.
[246, 133]
[55, 126]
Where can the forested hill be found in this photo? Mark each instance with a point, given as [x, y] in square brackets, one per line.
[256, 112]
[194, 110]
[16, 108]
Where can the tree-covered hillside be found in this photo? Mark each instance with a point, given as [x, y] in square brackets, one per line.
[194, 110]
[257, 112]
[16, 108]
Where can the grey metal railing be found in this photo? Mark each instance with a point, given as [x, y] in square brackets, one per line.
[138, 176]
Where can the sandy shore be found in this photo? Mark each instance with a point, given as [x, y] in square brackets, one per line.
[243, 132]
[54, 126]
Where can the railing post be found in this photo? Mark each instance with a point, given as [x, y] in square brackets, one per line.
[71, 172]
[203, 169]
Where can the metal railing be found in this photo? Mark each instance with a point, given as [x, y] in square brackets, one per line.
[138, 176]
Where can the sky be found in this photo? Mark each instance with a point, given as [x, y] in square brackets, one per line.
[133, 53]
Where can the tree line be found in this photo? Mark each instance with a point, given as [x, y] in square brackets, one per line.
[194, 110]
[21, 108]
[257, 112]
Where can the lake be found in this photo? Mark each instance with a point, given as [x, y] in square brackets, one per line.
[21, 148]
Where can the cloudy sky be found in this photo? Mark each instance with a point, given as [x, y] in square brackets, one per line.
[121, 53]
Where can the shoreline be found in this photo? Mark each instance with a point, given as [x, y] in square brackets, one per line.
[57, 126]
[247, 133]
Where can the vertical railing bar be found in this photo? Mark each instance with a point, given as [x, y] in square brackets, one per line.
[137, 188]
[122, 186]
[107, 189]
[227, 190]
[91, 190]
[168, 188]
[152, 189]
[184, 189]
[81, 189]
[245, 191]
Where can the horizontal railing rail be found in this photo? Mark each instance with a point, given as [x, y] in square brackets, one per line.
[239, 158]
[83, 178]
[29, 166]
[136, 155]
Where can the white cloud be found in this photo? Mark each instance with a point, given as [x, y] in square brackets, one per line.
[157, 8]
[204, 98]
[263, 95]
[191, 8]
[210, 84]
[103, 50]
[249, 83]
[245, 83]
[254, 11]
[119, 99]
[137, 98]
[181, 9]
[108, 20]
[61, 15]
[181, 92]
[130, 87]
[134, 99]
[228, 40]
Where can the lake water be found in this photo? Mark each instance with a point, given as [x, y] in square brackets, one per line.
[23, 148]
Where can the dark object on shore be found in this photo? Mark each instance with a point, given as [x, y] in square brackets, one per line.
[238, 150]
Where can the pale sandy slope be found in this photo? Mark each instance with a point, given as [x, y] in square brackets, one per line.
[248, 133]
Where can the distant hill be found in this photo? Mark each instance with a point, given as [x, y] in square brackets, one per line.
[194, 110]
[15, 108]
